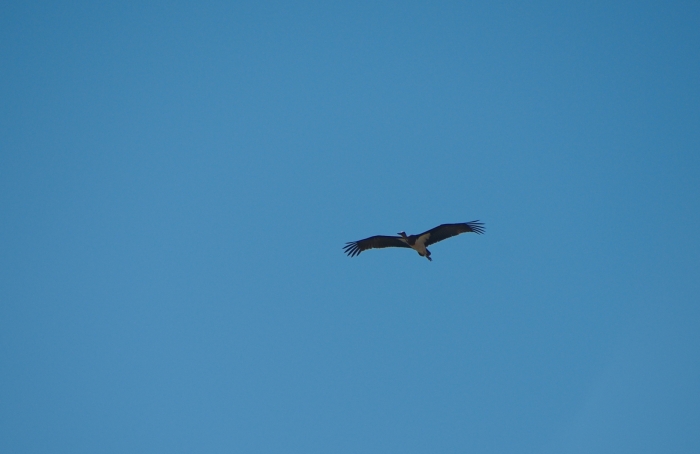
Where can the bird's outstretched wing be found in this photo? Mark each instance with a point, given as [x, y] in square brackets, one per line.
[444, 231]
[353, 248]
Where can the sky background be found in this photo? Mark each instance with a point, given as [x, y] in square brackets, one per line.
[177, 181]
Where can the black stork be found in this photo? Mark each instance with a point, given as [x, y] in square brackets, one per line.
[418, 242]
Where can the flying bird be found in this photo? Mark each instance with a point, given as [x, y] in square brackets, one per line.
[419, 242]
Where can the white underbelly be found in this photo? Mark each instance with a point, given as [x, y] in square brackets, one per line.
[419, 245]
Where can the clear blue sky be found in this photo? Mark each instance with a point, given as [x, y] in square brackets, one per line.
[177, 181]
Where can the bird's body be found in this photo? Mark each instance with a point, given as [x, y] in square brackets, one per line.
[418, 242]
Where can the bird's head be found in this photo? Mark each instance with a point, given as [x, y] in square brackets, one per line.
[402, 234]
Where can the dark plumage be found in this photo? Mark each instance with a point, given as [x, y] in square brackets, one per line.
[354, 248]
[417, 242]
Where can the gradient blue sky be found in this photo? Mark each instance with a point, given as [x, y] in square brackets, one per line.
[177, 181]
